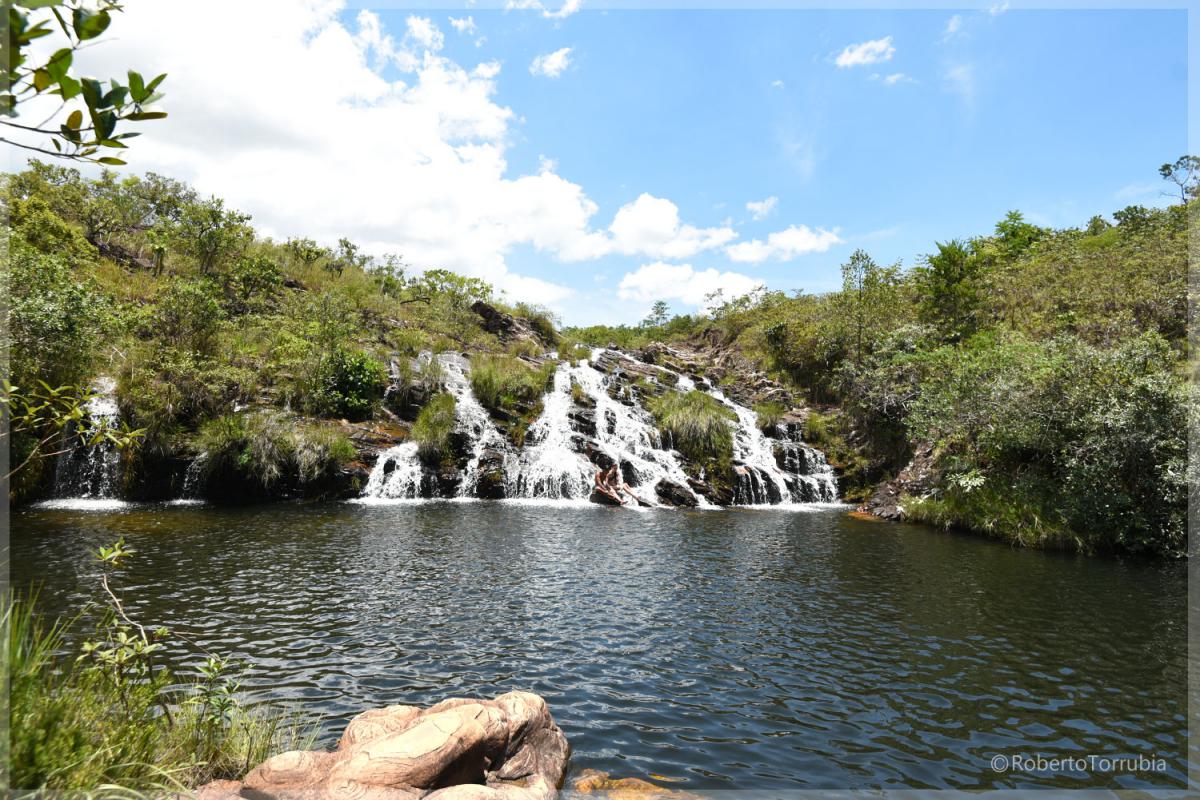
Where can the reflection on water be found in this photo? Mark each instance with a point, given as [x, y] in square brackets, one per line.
[744, 649]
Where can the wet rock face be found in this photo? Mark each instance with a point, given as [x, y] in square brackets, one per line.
[673, 494]
[460, 749]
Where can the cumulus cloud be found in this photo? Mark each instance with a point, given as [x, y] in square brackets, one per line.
[660, 281]
[465, 25]
[565, 10]
[872, 52]
[761, 209]
[793, 241]
[414, 165]
[651, 226]
[551, 65]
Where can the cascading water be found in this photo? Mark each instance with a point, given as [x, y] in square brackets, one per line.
[92, 470]
[589, 418]
[397, 474]
[472, 420]
[759, 478]
[551, 467]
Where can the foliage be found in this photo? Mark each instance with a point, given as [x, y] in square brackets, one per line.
[22, 79]
[502, 383]
[266, 451]
[697, 424]
[951, 288]
[769, 414]
[433, 427]
[106, 713]
[348, 383]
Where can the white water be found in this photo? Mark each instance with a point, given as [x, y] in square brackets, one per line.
[397, 474]
[552, 466]
[472, 419]
[91, 471]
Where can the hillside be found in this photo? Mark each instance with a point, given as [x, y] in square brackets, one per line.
[1028, 384]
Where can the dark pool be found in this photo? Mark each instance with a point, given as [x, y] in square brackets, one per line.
[742, 649]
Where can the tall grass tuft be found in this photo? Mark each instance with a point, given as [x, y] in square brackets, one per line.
[501, 382]
[697, 424]
[769, 414]
[434, 425]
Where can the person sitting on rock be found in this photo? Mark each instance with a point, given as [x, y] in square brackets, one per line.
[608, 484]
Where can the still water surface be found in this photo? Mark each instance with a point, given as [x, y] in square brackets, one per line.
[747, 649]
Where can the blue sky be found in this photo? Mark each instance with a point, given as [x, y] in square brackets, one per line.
[598, 179]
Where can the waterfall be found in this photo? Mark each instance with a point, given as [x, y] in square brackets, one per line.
[590, 419]
[551, 467]
[759, 478]
[397, 474]
[91, 471]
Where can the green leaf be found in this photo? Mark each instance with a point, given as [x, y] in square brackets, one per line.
[137, 88]
[68, 87]
[75, 119]
[106, 122]
[41, 80]
[142, 116]
[91, 92]
[111, 143]
[152, 85]
[88, 25]
[59, 63]
[116, 162]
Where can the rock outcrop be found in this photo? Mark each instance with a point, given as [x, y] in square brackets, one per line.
[460, 749]
[916, 479]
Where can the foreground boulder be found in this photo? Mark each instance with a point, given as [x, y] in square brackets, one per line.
[460, 749]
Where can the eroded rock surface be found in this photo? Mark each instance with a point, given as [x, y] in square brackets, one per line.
[460, 749]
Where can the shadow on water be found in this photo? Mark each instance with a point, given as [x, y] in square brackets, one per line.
[747, 649]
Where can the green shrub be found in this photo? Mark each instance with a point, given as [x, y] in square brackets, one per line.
[769, 414]
[349, 384]
[434, 426]
[697, 424]
[189, 316]
[254, 448]
[321, 450]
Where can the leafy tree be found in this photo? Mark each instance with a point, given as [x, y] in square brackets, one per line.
[210, 233]
[1132, 218]
[950, 287]
[868, 300]
[349, 383]
[1097, 225]
[91, 123]
[305, 251]
[1185, 174]
[658, 315]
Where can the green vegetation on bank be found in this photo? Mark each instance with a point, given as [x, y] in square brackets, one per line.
[204, 324]
[108, 713]
[696, 423]
[1047, 368]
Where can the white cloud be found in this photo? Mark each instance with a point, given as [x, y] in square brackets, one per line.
[1135, 191]
[659, 281]
[777, 84]
[997, 9]
[568, 8]
[784, 245]
[761, 209]
[960, 79]
[650, 226]
[551, 65]
[953, 27]
[465, 25]
[872, 52]
[896, 77]
[415, 165]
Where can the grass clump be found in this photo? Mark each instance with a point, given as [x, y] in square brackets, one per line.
[769, 414]
[434, 426]
[696, 423]
[502, 383]
[264, 450]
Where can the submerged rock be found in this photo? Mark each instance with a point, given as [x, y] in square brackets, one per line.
[460, 749]
[593, 781]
